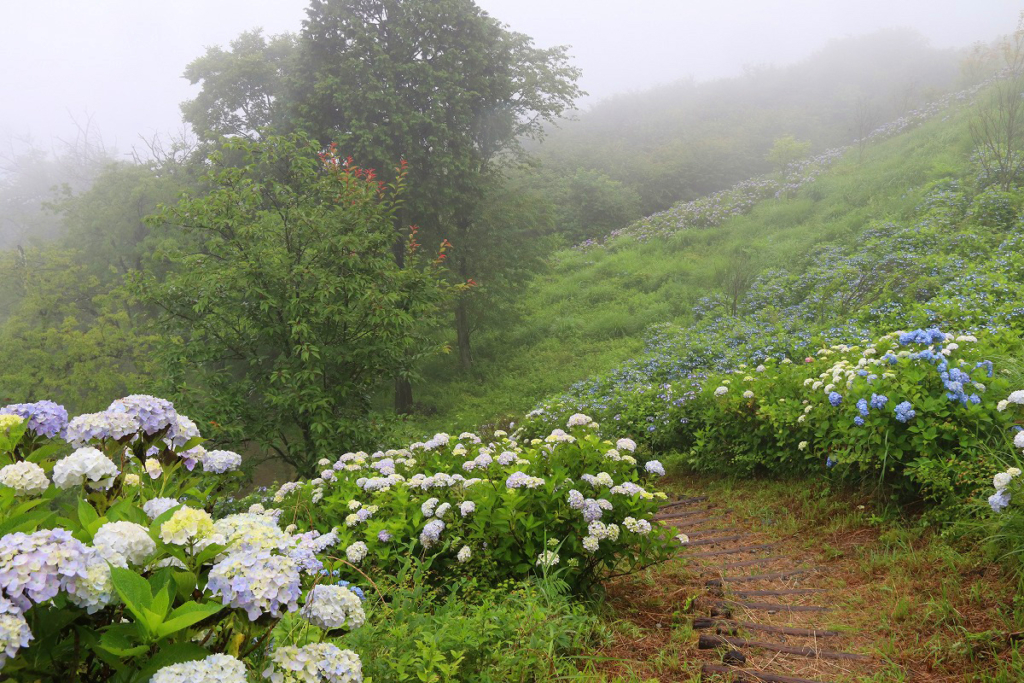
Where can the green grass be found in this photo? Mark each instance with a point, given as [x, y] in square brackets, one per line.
[589, 312]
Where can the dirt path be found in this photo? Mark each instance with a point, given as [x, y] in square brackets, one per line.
[792, 583]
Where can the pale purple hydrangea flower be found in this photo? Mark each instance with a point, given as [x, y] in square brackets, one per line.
[330, 607]
[315, 663]
[94, 426]
[220, 462]
[655, 467]
[35, 567]
[258, 582]
[151, 413]
[431, 533]
[14, 631]
[45, 418]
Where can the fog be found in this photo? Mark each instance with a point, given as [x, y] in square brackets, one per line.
[117, 64]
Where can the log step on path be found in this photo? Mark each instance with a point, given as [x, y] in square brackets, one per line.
[773, 654]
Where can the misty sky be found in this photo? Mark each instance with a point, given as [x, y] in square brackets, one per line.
[120, 61]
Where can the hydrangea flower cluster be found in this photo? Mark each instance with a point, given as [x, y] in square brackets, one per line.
[257, 581]
[14, 631]
[86, 465]
[26, 478]
[465, 554]
[97, 426]
[121, 543]
[330, 607]
[35, 567]
[655, 467]
[904, 412]
[220, 462]
[518, 480]
[158, 506]
[316, 663]
[187, 526]
[431, 533]
[220, 668]
[637, 526]
[45, 418]
[358, 551]
[150, 413]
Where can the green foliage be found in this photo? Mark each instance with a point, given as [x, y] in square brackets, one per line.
[509, 529]
[526, 631]
[288, 308]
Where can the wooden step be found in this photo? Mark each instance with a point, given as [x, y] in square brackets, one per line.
[709, 642]
[730, 551]
[771, 606]
[700, 623]
[752, 674]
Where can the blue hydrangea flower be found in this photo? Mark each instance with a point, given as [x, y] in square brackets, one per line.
[905, 412]
[835, 398]
[862, 407]
[859, 421]
[878, 401]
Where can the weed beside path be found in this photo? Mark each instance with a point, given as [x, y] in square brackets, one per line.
[836, 578]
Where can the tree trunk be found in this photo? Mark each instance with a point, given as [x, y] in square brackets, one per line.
[403, 396]
[462, 334]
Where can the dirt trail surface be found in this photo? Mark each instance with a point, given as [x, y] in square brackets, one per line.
[769, 611]
[790, 583]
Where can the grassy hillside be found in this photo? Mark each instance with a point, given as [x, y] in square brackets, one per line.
[594, 308]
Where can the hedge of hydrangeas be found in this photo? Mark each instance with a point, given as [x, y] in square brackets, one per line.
[113, 568]
[504, 509]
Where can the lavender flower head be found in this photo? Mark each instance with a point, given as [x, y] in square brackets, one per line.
[95, 426]
[329, 607]
[431, 533]
[45, 418]
[35, 567]
[152, 414]
[14, 631]
[258, 582]
[221, 668]
[314, 663]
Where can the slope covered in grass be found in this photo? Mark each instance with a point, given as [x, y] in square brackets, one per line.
[597, 306]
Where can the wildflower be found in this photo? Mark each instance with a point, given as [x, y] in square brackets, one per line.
[547, 559]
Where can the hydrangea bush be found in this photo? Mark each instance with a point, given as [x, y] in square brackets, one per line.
[496, 510]
[113, 568]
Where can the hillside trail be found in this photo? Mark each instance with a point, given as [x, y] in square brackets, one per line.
[751, 598]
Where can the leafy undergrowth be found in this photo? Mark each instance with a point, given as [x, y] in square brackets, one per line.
[926, 606]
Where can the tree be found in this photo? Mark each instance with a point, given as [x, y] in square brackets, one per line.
[440, 82]
[241, 87]
[997, 125]
[290, 309]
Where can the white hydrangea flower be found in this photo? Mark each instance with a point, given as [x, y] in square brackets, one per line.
[1001, 480]
[153, 468]
[442, 510]
[85, 466]
[591, 544]
[1002, 405]
[15, 633]
[122, 542]
[158, 506]
[803, 444]
[132, 479]
[466, 508]
[356, 552]
[748, 394]
[579, 420]
[26, 478]
[721, 391]
[1013, 472]
[315, 663]
[330, 607]
[1016, 397]
[96, 590]
[187, 525]
[217, 668]
[683, 538]
[220, 462]
[464, 554]
[1018, 440]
